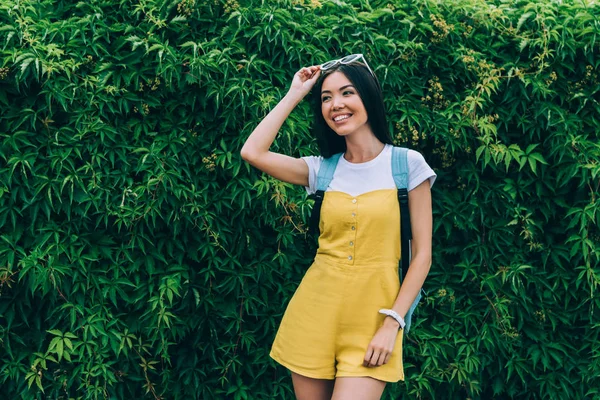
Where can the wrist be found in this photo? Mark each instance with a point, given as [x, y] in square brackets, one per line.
[294, 98]
[394, 315]
[391, 323]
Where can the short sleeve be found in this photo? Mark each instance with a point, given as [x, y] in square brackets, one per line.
[418, 170]
[314, 163]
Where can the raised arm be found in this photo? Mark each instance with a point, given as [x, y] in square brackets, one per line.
[256, 149]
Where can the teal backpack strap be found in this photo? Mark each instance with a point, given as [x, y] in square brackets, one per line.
[324, 177]
[326, 171]
[400, 174]
[400, 167]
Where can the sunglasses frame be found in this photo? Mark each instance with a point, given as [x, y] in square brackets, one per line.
[345, 60]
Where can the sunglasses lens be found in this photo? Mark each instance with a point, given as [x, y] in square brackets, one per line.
[328, 64]
[350, 58]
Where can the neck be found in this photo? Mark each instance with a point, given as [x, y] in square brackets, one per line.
[362, 147]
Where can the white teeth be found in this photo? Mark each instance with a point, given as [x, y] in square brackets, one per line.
[341, 117]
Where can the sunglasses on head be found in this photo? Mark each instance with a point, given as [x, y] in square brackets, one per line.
[345, 60]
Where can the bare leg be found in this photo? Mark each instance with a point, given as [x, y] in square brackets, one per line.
[358, 388]
[312, 389]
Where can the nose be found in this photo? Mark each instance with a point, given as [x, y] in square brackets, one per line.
[338, 103]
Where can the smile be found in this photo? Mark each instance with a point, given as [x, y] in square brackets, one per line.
[342, 117]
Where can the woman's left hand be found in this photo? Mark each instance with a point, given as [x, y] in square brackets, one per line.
[381, 346]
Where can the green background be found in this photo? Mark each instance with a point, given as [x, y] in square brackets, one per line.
[140, 257]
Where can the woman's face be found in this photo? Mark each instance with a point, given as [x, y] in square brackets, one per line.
[341, 105]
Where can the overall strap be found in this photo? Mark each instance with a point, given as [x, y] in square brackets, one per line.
[324, 177]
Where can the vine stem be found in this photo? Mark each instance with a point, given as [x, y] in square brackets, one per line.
[237, 342]
[149, 384]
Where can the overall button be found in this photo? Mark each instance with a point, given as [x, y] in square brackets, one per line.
[351, 243]
[354, 214]
[353, 228]
[353, 200]
[349, 257]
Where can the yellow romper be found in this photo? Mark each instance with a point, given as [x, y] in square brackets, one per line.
[333, 315]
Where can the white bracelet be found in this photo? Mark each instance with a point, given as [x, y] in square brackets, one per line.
[394, 315]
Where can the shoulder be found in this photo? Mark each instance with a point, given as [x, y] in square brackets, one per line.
[313, 162]
[418, 169]
[414, 157]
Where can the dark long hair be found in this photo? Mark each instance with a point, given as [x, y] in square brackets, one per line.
[369, 90]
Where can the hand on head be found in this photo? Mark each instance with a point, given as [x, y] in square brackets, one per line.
[304, 80]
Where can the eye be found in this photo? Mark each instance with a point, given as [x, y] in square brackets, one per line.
[324, 98]
[348, 92]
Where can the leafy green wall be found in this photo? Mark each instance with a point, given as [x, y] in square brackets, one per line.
[141, 258]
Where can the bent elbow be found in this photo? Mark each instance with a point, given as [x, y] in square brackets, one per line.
[246, 154]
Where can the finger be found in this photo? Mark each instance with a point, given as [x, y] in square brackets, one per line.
[382, 359]
[368, 356]
[315, 75]
[308, 74]
[373, 362]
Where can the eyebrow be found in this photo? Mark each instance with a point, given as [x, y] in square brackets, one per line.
[340, 89]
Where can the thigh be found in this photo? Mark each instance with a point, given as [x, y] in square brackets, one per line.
[358, 388]
[312, 389]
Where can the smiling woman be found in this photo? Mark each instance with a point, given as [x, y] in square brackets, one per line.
[338, 106]
[348, 83]
[337, 336]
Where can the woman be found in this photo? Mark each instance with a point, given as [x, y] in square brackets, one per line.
[332, 337]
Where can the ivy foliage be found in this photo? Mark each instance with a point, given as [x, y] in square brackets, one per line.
[140, 257]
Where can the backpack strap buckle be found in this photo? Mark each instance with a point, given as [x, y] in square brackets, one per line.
[403, 197]
[318, 195]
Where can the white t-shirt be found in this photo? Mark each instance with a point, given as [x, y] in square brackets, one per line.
[358, 178]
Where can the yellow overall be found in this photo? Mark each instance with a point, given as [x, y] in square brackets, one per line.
[333, 315]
